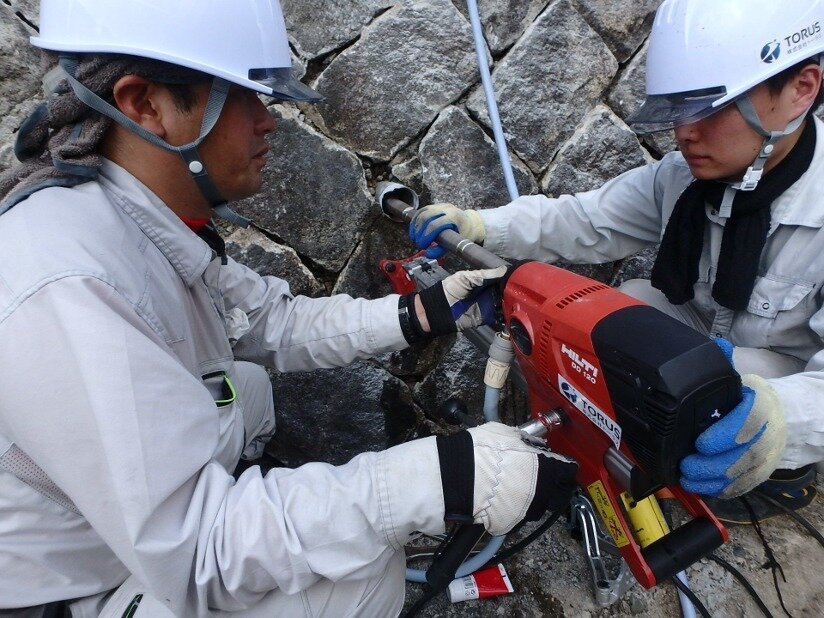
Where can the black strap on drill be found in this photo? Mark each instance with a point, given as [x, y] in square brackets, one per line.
[457, 459]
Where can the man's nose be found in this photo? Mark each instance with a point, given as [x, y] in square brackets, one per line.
[268, 122]
[686, 132]
[264, 120]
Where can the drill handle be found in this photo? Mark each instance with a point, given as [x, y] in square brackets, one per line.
[682, 547]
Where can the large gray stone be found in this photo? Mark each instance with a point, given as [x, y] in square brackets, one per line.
[408, 171]
[362, 275]
[629, 88]
[504, 21]
[660, 142]
[627, 95]
[547, 83]
[623, 25]
[20, 66]
[602, 148]
[317, 27]
[408, 65]
[332, 415]
[20, 90]
[266, 257]
[314, 195]
[460, 164]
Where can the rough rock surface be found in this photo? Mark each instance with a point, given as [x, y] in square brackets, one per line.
[627, 95]
[547, 83]
[20, 90]
[504, 21]
[266, 257]
[623, 25]
[408, 64]
[601, 146]
[314, 194]
[474, 179]
[316, 28]
[332, 415]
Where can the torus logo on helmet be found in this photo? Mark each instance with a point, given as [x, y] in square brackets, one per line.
[770, 52]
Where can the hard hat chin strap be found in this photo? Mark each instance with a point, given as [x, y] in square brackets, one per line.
[214, 105]
[754, 172]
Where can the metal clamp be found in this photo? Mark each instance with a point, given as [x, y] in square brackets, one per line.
[607, 591]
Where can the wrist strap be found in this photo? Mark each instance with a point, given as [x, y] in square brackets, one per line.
[456, 455]
[438, 311]
[408, 319]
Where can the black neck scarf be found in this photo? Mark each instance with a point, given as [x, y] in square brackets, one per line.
[676, 268]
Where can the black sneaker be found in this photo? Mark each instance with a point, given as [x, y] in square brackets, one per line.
[785, 490]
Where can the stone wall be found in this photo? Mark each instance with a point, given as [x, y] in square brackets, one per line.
[403, 101]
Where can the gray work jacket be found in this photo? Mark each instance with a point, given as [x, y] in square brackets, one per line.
[111, 313]
[630, 212]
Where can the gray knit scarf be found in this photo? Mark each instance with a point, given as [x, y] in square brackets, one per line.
[57, 144]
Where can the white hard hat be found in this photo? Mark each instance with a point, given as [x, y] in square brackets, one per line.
[705, 53]
[241, 41]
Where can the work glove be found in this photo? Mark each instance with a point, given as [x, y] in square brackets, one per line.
[465, 299]
[494, 475]
[431, 220]
[741, 450]
[514, 477]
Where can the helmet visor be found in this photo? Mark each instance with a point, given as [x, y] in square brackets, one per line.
[284, 85]
[661, 112]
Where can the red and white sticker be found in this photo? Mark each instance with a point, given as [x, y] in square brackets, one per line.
[489, 582]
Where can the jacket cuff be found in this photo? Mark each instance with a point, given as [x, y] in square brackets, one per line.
[410, 490]
[805, 426]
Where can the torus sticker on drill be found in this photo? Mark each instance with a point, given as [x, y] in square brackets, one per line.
[600, 499]
[598, 417]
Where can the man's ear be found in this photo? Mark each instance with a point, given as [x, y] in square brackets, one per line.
[142, 101]
[806, 85]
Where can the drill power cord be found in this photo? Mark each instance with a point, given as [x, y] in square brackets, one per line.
[430, 592]
[744, 582]
[685, 590]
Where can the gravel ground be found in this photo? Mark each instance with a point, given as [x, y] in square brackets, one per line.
[552, 579]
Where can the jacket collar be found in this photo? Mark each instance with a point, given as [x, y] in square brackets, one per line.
[186, 252]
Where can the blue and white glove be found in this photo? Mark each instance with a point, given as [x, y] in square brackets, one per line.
[431, 220]
[741, 450]
[465, 299]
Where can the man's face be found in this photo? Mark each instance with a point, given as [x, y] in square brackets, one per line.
[234, 152]
[722, 146]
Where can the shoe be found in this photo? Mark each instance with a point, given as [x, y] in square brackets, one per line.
[784, 490]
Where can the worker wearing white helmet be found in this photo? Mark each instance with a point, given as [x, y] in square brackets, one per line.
[739, 215]
[132, 344]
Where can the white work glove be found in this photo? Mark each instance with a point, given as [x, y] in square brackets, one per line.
[465, 299]
[515, 480]
[740, 451]
[431, 220]
[492, 475]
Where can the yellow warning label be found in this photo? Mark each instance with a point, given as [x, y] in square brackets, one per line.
[601, 501]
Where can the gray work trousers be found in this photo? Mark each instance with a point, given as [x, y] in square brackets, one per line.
[381, 596]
